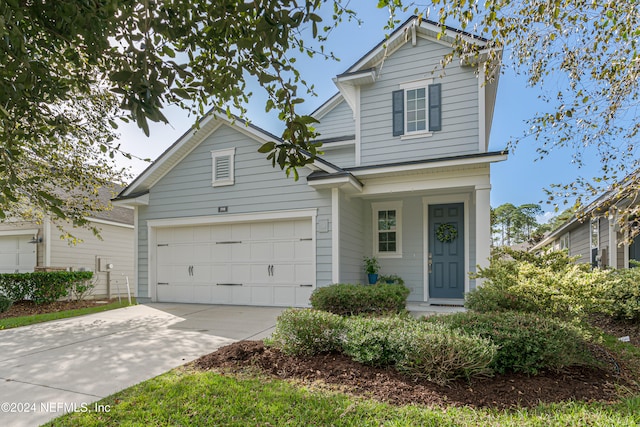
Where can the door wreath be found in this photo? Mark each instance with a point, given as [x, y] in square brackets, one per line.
[446, 233]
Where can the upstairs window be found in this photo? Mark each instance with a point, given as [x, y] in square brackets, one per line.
[417, 109]
[223, 165]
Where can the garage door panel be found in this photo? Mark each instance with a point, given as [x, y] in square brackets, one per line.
[261, 231]
[201, 253]
[240, 232]
[284, 296]
[283, 274]
[304, 274]
[261, 251]
[302, 229]
[201, 273]
[220, 252]
[175, 293]
[284, 250]
[241, 251]
[241, 295]
[262, 295]
[220, 273]
[303, 250]
[202, 294]
[202, 234]
[240, 273]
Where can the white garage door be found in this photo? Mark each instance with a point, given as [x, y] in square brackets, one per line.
[17, 255]
[261, 263]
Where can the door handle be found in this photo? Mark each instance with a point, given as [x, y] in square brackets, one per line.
[430, 262]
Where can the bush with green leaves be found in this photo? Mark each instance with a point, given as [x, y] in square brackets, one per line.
[5, 303]
[348, 299]
[307, 332]
[623, 294]
[551, 283]
[417, 349]
[526, 342]
[42, 287]
[440, 354]
[368, 339]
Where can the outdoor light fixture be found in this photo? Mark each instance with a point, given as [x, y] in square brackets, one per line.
[35, 239]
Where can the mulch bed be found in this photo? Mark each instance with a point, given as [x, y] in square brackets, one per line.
[502, 391]
[28, 308]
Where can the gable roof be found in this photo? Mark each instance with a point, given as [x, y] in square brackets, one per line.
[364, 69]
[191, 139]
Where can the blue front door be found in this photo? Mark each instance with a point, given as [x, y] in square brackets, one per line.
[446, 251]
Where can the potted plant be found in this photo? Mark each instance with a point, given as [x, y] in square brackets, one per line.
[392, 279]
[371, 266]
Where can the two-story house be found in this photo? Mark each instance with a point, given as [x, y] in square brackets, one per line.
[405, 177]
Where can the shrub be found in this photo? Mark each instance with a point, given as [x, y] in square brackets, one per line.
[551, 283]
[368, 339]
[623, 294]
[41, 287]
[5, 303]
[417, 349]
[307, 332]
[526, 342]
[347, 299]
[439, 354]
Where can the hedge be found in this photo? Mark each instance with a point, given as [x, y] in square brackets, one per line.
[348, 300]
[42, 287]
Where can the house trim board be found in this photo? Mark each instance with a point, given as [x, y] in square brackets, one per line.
[154, 224]
[463, 198]
[482, 115]
[113, 223]
[335, 235]
[22, 232]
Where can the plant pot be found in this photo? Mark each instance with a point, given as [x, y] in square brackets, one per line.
[373, 278]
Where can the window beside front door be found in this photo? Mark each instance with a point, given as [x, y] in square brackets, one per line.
[387, 229]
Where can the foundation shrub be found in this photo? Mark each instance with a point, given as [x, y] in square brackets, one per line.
[349, 299]
[526, 342]
[307, 332]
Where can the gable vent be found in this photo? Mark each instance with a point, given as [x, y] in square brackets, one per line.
[223, 168]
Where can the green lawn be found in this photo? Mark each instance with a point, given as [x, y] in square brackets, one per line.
[14, 322]
[185, 397]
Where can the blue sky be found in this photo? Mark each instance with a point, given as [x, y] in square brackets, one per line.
[519, 180]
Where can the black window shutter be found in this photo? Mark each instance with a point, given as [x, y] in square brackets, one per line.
[435, 108]
[398, 112]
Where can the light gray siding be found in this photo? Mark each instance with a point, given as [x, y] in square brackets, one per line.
[410, 266]
[343, 156]
[459, 134]
[351, 243]
[580, 243]
[186, 191]
[114, 246]
[336, 123]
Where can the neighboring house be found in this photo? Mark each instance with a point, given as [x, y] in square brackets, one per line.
[595, 237]
[29, 246]
[405, 178]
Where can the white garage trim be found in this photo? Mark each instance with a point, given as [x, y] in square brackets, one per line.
[233, 218]
[154, 225]
[32, 231]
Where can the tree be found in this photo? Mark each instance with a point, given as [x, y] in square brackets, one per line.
[585, 53]
[69, 69]
[515, 224]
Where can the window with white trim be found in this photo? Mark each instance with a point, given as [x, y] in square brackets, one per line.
[595, 241]
[223, 167]
[417, 109]
[564, 242]
[387, 229]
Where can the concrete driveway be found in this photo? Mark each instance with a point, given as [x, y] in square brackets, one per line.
[56, 367]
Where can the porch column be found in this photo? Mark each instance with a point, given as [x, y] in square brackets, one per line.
[335, 235]
[613, 240]
[483, 227]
